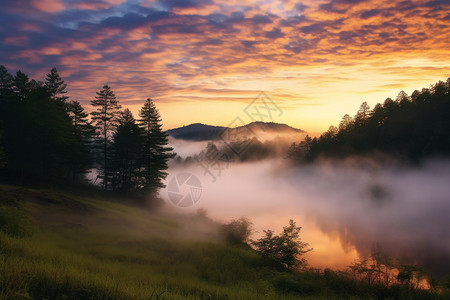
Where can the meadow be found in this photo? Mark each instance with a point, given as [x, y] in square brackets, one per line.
[56, 244]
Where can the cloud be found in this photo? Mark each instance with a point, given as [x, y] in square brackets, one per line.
[128, 21]
[30, 6]
[216, 44]
[370, 13]
[170, 5]
[399, 221]
[358, 203]
[275, 33]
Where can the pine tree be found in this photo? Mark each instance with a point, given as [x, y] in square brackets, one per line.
[21, 85]
[6, 83]
[155, 152]
[125, 154]
[345, 122]
[105, 121]
[402, 95]
[83, 131]
[37, 133]
[363, 112]
[56, 86]
[80, 118]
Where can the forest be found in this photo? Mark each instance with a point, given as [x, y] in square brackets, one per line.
[409, 128]
[46, 137]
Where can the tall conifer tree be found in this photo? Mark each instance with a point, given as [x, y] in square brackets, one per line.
[154, 148]
[105, 118]
[56, 86]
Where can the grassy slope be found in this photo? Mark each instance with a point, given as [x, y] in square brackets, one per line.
[55, 245]
[81, 248]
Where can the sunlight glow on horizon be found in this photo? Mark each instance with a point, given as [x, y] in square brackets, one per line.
[204, 61]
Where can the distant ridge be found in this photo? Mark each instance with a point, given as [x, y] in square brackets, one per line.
[272, 127]
[196, 132]
[204, 132]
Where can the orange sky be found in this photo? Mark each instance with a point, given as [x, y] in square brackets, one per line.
[206, 60]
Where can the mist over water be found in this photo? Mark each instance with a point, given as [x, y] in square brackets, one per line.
[346, 208]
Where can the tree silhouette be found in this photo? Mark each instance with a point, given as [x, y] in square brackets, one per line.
[79, 118]
[21, 85]
[345, 122]
[125, 154]
[155, 153]
[38, 137]
[107, 108]
[402, 95]
[411, 128]
[6, 83]
[363, 112]
[56, 86]
[83, 131]
[286, 248]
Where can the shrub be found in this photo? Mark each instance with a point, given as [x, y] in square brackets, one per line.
[237, 231]
[286, 248]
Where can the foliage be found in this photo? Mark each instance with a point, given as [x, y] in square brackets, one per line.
[37, 134]
[55, 86]
[83, 133]
[44, 137]
[6, 83]
[411, 127]
[105, 119]
[155, 152]
[21, 85]
[237, 231]
[286, 248]
[125, 154]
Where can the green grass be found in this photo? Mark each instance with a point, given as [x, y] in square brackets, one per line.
[56, 245]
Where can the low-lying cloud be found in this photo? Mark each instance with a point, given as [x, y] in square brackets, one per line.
[363, 204]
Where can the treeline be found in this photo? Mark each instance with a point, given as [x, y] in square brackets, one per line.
[244, 150]
[410, 127]
[45, 137]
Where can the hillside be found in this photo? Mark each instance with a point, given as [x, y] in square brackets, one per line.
[59, 245]
[411, 128]
[202, 132]
[196, 132]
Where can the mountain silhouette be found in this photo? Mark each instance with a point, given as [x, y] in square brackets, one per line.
[203, 132]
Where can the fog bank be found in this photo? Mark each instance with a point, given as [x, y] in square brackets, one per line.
[346, 208]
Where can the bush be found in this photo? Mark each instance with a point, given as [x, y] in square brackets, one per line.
[286, 248]
[237, 231]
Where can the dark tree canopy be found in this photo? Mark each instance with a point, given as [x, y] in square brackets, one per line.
[105, 118]
[83, 133]
[6, 83]
[125, 154]
[21, 85]
[38, 137]
[155, 151]
[411, 127]
[56, 86]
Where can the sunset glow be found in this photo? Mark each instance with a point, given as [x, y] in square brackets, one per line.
[225, 149]
[204, 61]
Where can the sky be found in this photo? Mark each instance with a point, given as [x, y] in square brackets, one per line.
[207, 60]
